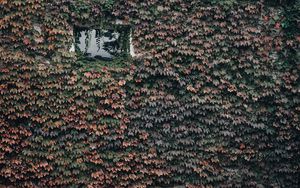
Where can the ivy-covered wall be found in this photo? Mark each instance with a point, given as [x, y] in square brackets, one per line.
[211, 100]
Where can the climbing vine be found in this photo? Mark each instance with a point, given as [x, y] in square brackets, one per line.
[210, 100]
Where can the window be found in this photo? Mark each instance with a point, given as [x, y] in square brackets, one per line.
[96, 43]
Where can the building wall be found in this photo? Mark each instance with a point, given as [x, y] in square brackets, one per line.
[211, 98]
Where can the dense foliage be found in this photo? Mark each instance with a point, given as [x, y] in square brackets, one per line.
[211, 100]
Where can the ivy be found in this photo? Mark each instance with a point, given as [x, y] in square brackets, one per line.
[210, 100]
